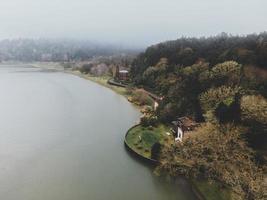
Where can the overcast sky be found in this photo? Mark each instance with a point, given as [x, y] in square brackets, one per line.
[130, 22]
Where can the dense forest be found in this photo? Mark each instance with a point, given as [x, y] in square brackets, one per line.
[220, 82]
[247, 50]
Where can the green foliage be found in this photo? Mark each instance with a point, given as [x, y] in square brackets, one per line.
[227, 73]
[191, 81]
[255, 79]
[204, 79]
[168, 112]
[254, 116]
[215, 98]
[86, 68]
[149, 138]
[149, 121]
[182, 97]
[227, 68]
[247, 50]
[195, 69]
[154, 74]
[140, 97]
[155, 151]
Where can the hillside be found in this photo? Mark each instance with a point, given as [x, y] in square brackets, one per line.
[246, 50]
[220, 82]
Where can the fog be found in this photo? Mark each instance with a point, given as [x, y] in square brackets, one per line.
[133, 23]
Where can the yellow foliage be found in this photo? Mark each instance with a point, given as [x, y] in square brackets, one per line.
[254, 107]
[216, 152]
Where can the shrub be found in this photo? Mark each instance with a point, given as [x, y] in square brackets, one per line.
[86, 68]
[141, 97]
[155, 151]
[254, 109]
[255, 79]
[149, 121]
[227, 73]
[222, 99]
[228, 110]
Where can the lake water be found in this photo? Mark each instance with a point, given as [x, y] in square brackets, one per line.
[61, 138]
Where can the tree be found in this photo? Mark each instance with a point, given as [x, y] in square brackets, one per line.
[155, 151]
[254, 110]
[86, 68]
[220, 102]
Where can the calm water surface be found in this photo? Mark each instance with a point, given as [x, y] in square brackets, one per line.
[61, 138]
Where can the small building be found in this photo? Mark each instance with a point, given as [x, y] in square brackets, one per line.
[120, 74]
[156, 105]
[182, 127]
[123, 75]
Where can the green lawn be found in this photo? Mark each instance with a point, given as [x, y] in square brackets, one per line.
[141, 139]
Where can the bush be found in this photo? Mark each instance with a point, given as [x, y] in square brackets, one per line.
[254, 109]
[221, 99]
[142, 98]
[228, 110]
[155, 151]
[227, 73]
[149, 121]
[86, 68]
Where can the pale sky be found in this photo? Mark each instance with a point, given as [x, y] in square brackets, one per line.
[130, 22]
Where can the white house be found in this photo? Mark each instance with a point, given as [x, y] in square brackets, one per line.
[182, 127]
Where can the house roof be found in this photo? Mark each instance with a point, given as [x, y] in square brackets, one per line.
[184, 121]
[124, 71]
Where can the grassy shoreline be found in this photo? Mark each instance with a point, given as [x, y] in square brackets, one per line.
[128, 94]
[101, 80]
[141, 139]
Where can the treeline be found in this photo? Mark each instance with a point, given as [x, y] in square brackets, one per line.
[247, 50]
[56, 50]
[220, 82]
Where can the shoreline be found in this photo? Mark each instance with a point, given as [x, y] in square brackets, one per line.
[194, 188]
[142, 157]
[103, 82]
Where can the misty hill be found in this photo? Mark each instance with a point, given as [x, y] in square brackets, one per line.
[220, 82]
[248, 50]
[56, 50]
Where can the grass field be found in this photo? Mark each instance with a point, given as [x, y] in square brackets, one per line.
[141, 139]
